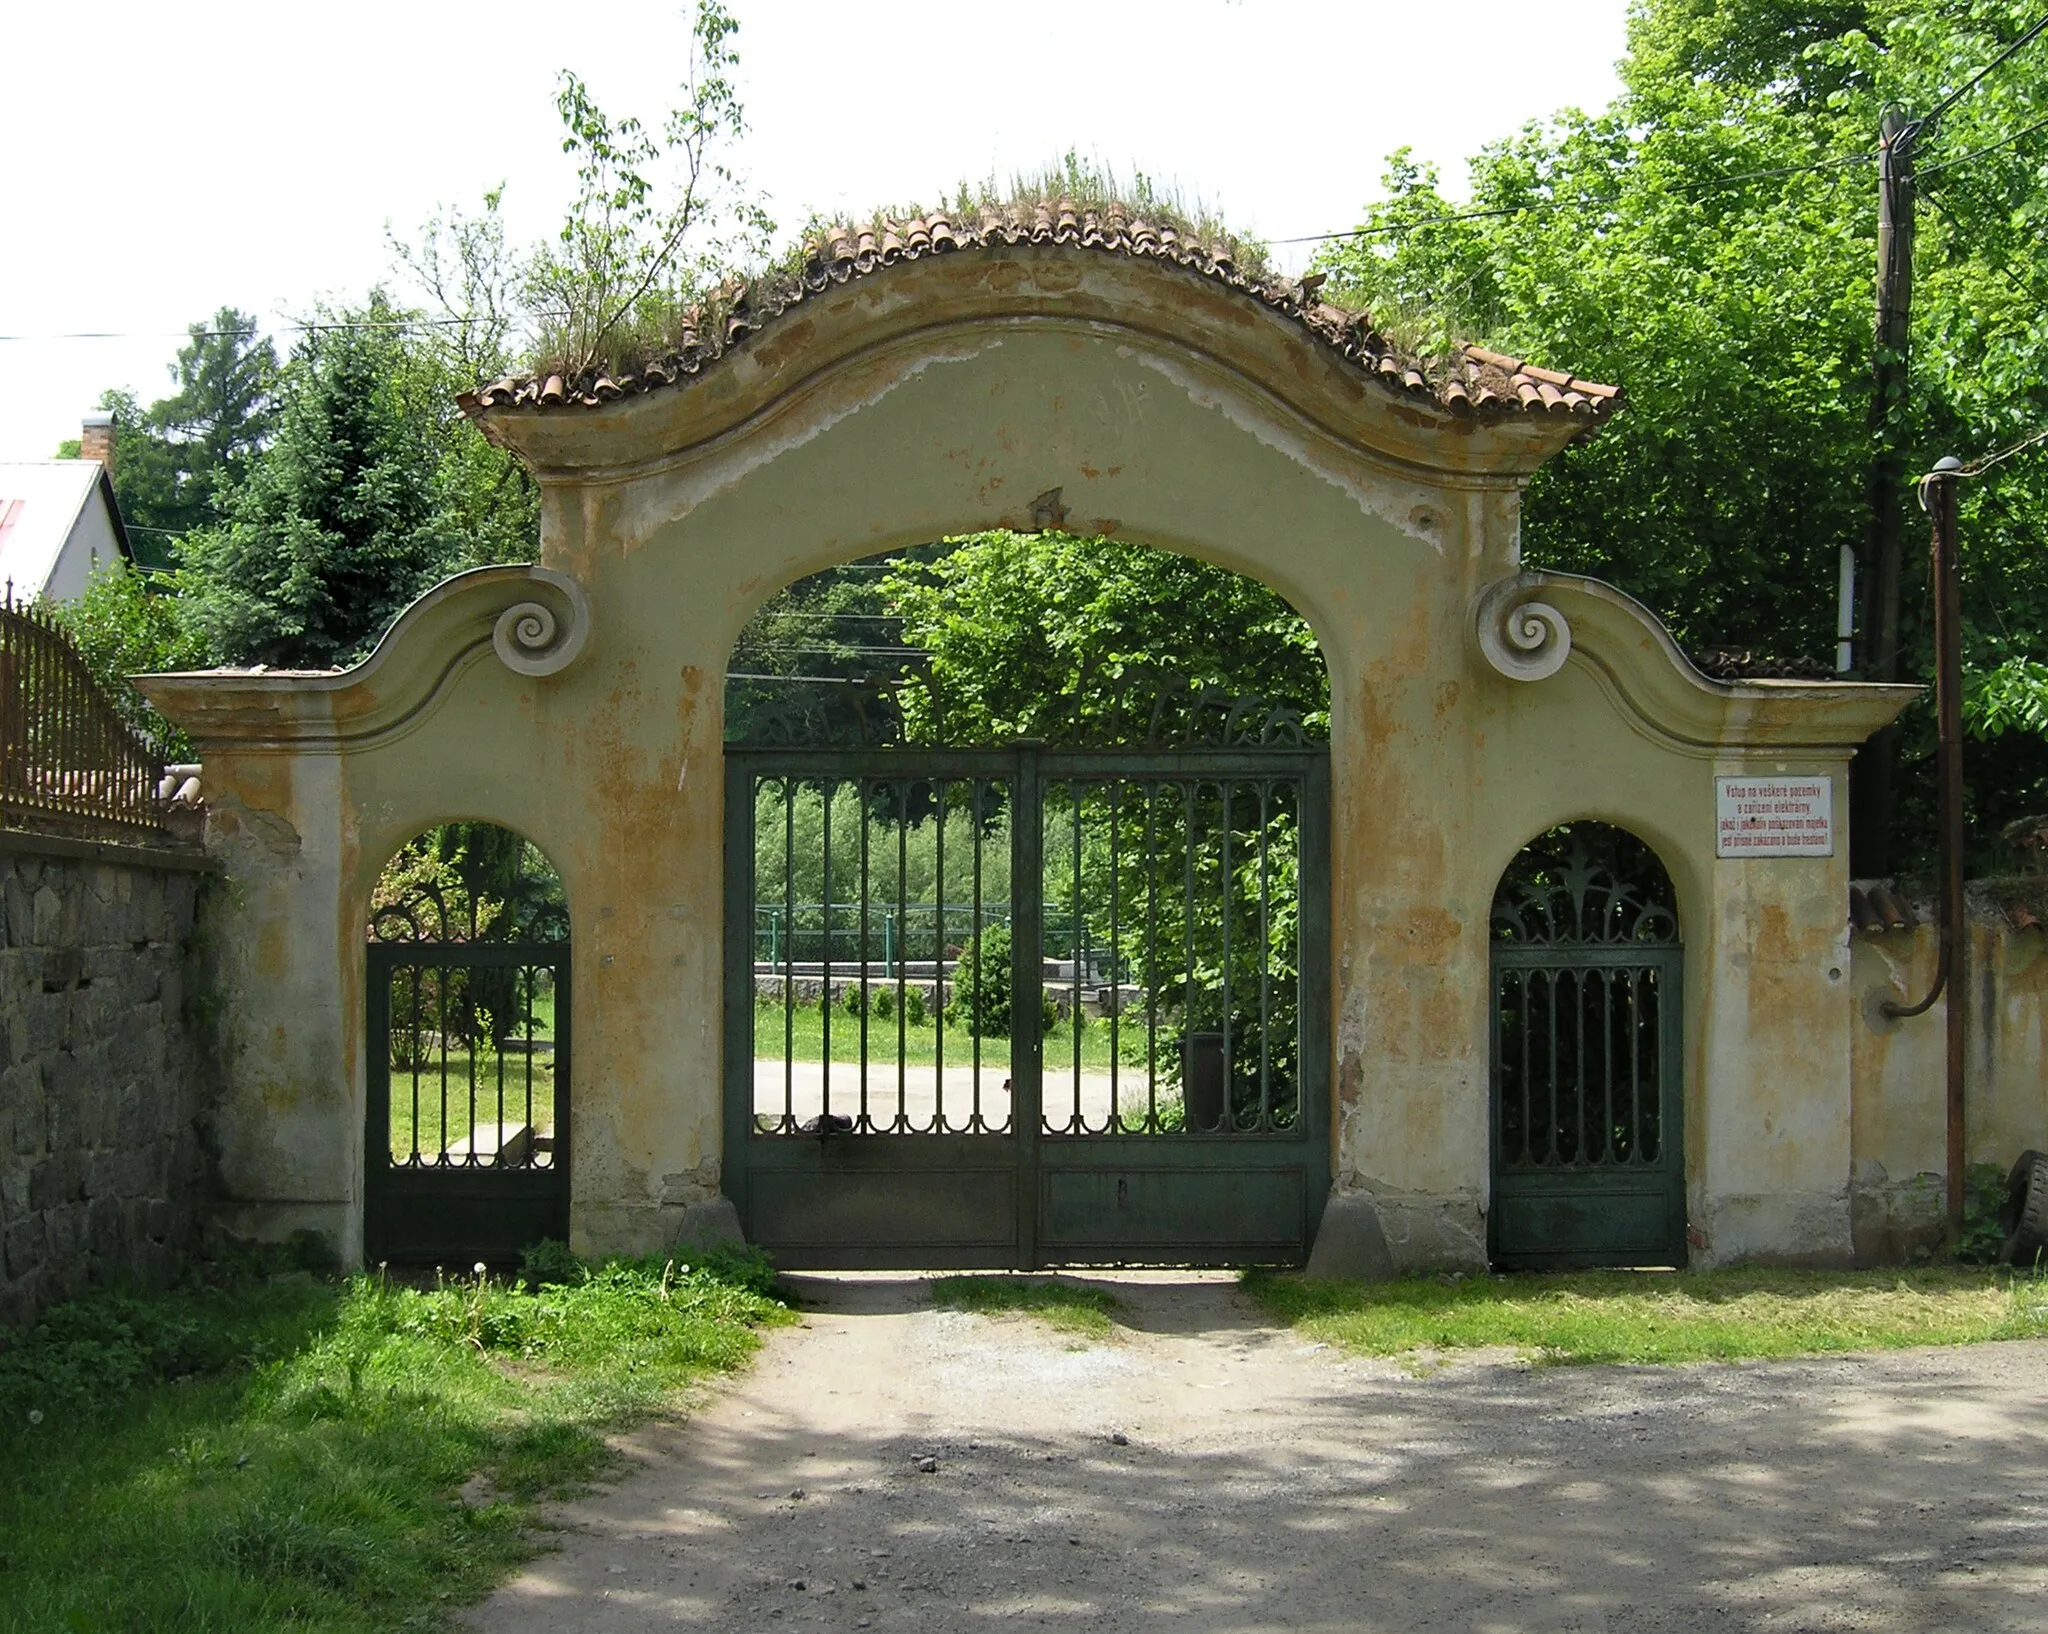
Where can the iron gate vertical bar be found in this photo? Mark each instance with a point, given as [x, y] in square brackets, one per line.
[860, 802]
[564, 1092]
[1075, 950]
[1228, 1120]
[377, 1153]
[1027, 1044]
[901, 1122]
[1116, 948]
[1635, 1058]
[976, 1122]
[939, 958]
[1265, 788]
[1151, 957]
[789, 952]
[825, 790]
[1313, 990]
[1671, 1076]
[741, 890]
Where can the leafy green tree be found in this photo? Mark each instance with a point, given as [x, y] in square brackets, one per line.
[123, 625]
[1709, 242]
[176, 460]
[341, 522]
[1036, 635]
[466, 333]
[659, 216]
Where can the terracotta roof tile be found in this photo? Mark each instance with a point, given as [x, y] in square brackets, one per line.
[1735, 664]
[1476, 382]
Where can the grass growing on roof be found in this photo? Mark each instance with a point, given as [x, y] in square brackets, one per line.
[1629, 1316]
[305, 1454]
[1078, 1308]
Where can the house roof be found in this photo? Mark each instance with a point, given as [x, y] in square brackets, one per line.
[40, 504]
[1474, 381]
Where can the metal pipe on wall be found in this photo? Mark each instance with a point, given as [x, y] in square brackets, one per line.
[1938, 496]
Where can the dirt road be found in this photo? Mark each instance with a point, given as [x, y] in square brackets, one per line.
[890, 1467]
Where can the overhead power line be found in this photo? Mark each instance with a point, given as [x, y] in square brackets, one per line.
[1548, 206]
[2033, 32]
[1962, 159]
[1976, 468]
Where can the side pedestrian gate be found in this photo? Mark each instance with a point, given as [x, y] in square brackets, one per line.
[1024, 1007]
[1588, 1114]
[466, 1155]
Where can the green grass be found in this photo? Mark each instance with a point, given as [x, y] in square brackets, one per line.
[433, 1132]
[808, 1041]
[1072, 1307]
[294, 1454]
[1627, 1316]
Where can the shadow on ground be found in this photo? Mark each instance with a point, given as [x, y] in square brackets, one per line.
[1262, 1484]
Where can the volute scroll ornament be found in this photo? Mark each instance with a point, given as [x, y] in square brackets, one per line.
[544, 635]
[1525, 639]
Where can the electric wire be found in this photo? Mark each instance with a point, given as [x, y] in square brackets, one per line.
[1923, 172]
[2032, 32]
[1978, 467]
[1549, 206]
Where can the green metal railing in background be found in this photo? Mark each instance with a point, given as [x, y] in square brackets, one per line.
[812, 932]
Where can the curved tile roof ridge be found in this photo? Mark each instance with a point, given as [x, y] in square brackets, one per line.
[1478, 382]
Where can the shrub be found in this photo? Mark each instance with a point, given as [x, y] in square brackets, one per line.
[982, 987]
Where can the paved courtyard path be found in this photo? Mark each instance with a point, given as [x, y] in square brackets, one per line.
[891, 1467]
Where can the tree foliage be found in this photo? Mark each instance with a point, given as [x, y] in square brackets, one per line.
[340, 524]
[123, 627]
[1041, 635]
[1709, 242]
[176, 459]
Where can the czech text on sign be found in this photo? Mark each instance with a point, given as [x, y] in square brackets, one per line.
[1774, 817]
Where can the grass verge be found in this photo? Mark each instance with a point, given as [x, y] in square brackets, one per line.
[309, 1455]
[802, 1030]
[1630, 1316]
[1072, 1307]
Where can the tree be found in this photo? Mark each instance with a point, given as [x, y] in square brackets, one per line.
[1038, 635]
[176, 460]
[340, 523]
[122, 626]
[1708, 241]
[466, 334]
[658, 218]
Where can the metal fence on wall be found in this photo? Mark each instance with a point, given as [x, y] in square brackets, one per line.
[68, 760]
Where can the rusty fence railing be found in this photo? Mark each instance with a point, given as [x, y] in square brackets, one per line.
[68, 762]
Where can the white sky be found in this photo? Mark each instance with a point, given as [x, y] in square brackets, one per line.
[161, 159]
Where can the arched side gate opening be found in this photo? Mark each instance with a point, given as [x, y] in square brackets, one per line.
[1588, 1052]
[466, 1149]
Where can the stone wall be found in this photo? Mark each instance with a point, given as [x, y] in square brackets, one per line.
[1899, 1138]
[102, 1076]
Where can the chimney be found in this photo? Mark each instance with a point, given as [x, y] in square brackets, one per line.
[96, 439]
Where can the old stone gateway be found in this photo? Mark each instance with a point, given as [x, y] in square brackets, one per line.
[1477, 968]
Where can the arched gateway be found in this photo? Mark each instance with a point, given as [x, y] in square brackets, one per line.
[938, 377]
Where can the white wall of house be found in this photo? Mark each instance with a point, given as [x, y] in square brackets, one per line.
[56, 525]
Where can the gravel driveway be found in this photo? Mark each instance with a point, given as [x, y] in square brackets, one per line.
[891, 1467]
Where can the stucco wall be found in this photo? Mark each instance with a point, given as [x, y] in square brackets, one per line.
[1901, 1135]
[941, 401]
[104, 1079]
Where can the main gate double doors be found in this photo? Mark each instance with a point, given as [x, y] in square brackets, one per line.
[1025, 1007]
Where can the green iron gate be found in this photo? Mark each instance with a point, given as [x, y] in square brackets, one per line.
[466, 1155]
[1588, 1110]
[907, 1081]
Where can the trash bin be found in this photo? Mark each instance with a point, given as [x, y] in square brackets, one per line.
[1204, 1082]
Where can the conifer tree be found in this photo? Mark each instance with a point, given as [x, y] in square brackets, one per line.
[340, 523]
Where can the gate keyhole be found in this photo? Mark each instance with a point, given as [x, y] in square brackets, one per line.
[1123, 1191]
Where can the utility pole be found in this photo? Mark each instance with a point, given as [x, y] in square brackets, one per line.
[1870, 792]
